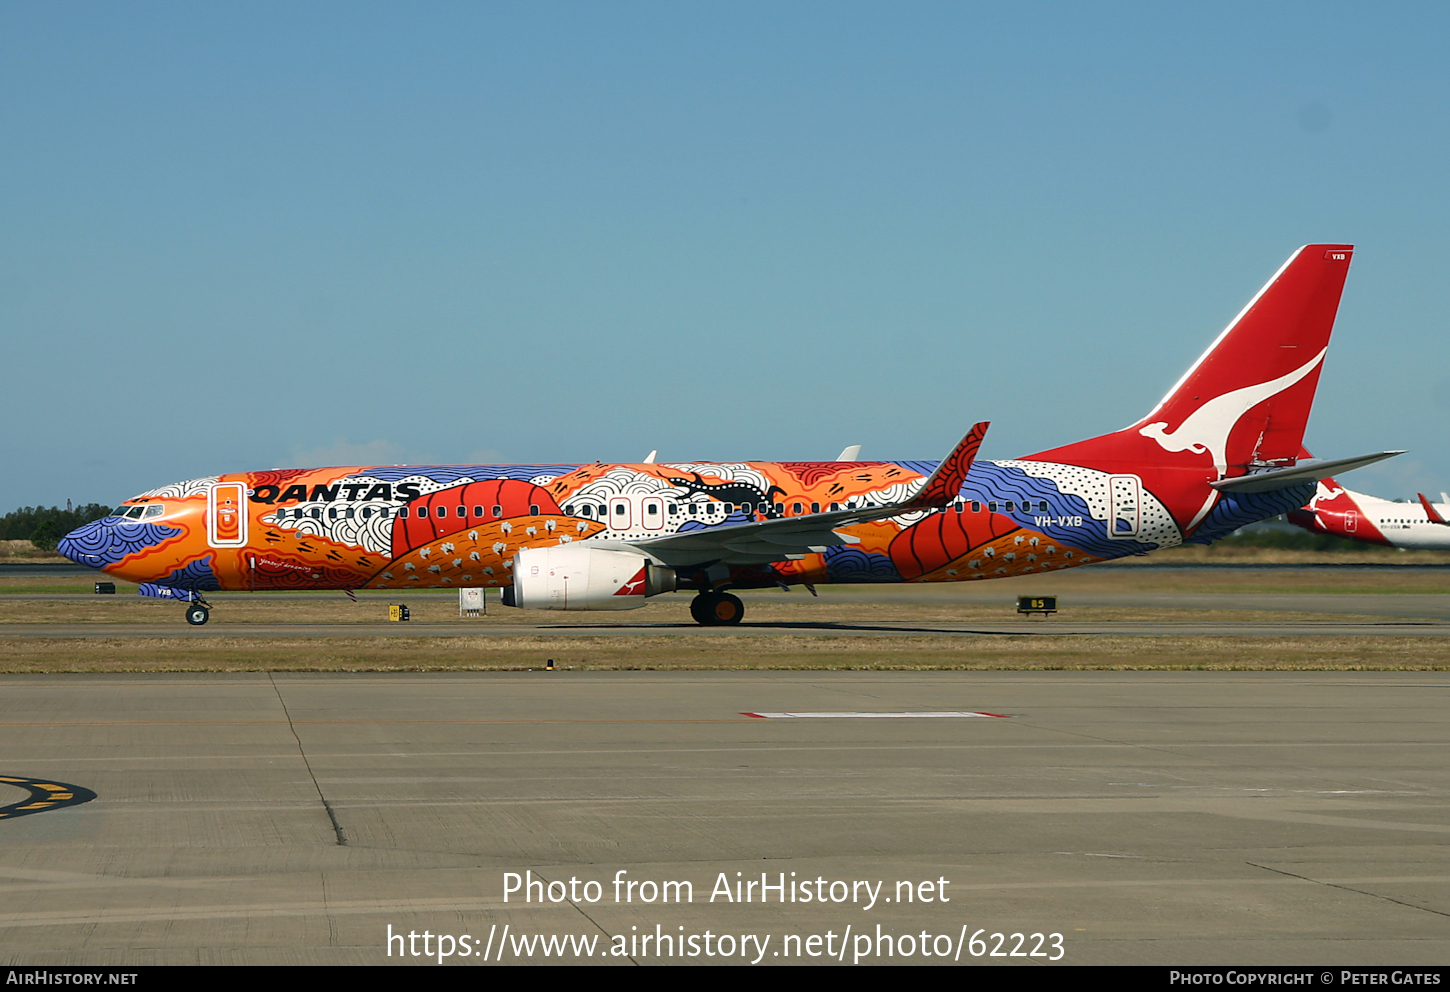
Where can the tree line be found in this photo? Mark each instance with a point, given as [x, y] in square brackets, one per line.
[43, 526]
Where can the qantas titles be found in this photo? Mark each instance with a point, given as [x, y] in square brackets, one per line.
[270, 494]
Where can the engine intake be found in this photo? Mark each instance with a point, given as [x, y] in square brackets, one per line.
[572, 577]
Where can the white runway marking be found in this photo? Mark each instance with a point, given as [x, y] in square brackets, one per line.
[871, 716]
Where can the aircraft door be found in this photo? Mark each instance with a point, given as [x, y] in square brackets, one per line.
[1125, 519]
[652, 513]
[619, 513]
[226, 515]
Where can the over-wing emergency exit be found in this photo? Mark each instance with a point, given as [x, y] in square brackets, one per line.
[1222, 449]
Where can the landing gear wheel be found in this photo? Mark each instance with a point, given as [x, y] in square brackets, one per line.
[196, 614]
[716, 609]
[697, 609]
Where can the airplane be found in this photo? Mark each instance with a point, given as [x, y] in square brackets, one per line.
[1341, 512]
[1221, 450]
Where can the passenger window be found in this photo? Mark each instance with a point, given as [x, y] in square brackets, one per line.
[992, 506]
[349, 513]
[442, 511]
[835, 507]
[674, 509]
[478, 511]
[652, 509]
[533, 509]
[463, 511]
[815, 508]
[957, 507]
[795, 508]
[780, 509]
[497, 511]
[976, 507]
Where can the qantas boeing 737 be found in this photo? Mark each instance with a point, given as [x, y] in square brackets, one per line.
[1340, 512]
[1221, 450]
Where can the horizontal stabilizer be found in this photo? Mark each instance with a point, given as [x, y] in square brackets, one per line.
[1294, 475]
[1430, 512]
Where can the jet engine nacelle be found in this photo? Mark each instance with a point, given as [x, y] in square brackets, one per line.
[577, 577]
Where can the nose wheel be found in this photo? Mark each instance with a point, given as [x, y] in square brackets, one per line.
[717, 609]
[197, 614]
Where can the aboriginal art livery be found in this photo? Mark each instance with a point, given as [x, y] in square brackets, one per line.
[1222, 449]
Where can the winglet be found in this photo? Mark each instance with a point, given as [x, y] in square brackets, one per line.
[1431, 512]
[945, 483]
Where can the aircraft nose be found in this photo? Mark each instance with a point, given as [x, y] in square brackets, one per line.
[107, 542]
[85, 545]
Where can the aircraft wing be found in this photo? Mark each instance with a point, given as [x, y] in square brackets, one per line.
[765, 541]
[1293, 475]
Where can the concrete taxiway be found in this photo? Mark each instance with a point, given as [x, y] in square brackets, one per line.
[1185, 817]
[1316, 615]
[1058, 628]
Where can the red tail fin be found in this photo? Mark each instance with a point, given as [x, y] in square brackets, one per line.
[1333, 511]
[1245, 402]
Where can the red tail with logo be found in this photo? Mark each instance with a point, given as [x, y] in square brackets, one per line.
[1244, 404]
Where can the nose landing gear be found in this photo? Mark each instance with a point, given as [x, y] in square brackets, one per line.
[198, 612]
[717, 609]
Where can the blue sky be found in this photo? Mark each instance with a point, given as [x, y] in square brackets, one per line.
[239, 236]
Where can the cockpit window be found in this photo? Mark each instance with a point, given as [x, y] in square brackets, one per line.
[155, 510]
[135, 512]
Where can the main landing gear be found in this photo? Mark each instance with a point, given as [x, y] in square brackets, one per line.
[716, 609]
[198, 613]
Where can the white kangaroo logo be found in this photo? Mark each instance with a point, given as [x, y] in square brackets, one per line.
[1208, 427]
[1327, 495]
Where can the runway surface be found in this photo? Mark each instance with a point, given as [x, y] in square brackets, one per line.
[1181, 818]
[1338, 614]
[1032, 627]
